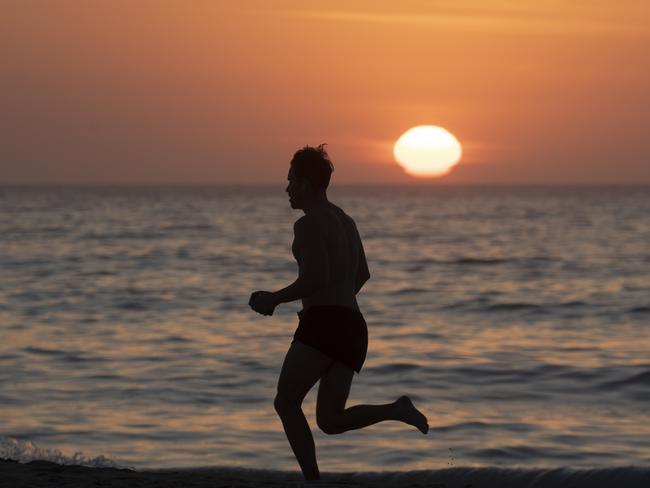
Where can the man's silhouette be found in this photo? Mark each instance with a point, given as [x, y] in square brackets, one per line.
[331, 340]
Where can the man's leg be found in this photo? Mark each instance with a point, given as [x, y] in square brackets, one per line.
[303, 367]
[333, 418]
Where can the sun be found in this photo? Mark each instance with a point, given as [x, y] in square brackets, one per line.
[427, 150]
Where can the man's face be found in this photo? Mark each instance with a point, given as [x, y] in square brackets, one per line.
[296, 189]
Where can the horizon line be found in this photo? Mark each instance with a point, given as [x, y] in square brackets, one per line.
[337, 185]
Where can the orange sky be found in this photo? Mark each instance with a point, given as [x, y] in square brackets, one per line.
[189, 91]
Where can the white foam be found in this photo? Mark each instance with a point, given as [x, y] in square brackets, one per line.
[26, 451]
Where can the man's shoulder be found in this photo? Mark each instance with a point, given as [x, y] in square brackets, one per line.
[303, 221]
[319, 220]
[341, 213]
[306, 223]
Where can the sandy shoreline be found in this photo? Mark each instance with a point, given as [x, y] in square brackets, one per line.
[37, 474]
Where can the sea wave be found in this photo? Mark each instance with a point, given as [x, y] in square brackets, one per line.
[639, 379]
[483, 304]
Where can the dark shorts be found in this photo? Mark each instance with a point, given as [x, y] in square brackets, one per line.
[339, 332]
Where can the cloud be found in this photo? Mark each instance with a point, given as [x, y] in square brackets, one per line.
[499, 21]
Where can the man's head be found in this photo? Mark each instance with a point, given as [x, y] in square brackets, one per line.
[309, 175]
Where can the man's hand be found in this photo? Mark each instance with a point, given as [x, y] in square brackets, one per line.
[262, 302]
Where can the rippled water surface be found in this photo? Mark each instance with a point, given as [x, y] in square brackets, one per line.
[517, 318]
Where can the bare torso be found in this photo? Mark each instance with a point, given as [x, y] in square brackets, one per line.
[343, 244]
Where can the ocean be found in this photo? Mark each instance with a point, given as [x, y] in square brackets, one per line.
[516, 318]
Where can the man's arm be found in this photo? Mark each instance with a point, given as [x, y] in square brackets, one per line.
[297, 290]
[313, 262]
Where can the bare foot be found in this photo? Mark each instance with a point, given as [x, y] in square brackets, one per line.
[411, 415]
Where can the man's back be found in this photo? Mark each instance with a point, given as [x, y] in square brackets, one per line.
[347, 263]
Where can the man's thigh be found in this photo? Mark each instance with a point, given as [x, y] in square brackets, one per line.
[303, 366]
[333, 391]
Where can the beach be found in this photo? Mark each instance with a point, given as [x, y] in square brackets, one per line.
[37, 474]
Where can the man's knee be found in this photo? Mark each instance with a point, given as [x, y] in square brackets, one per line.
[283, 404]
[329, 425]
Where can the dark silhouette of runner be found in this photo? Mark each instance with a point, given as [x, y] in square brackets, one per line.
[331, 340]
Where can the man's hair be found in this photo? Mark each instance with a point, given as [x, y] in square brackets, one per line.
[313, 164]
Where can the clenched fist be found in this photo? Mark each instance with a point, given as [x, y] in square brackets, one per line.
[262, 302]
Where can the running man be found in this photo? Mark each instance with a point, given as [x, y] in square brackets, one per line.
[331, 340]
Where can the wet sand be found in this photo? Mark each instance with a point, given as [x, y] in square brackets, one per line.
[37, 474]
